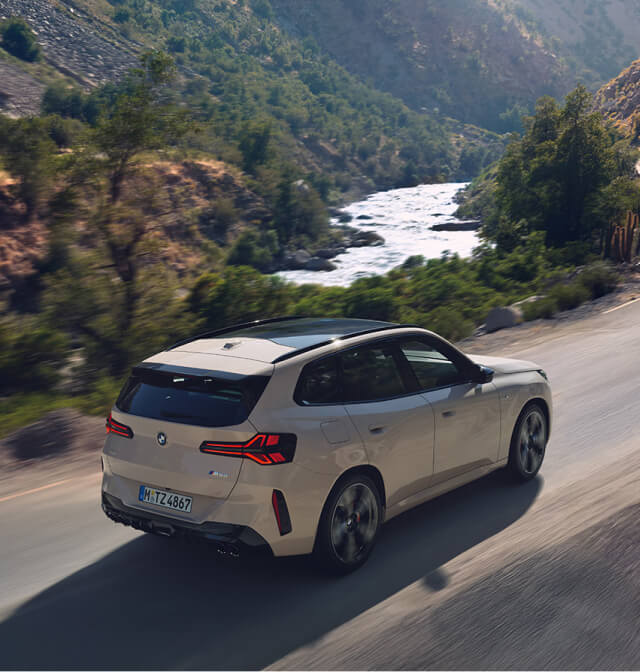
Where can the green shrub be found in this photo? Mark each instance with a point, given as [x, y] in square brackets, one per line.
[570, 296]
[449, 323]
[254, 249]
[31, 356]
[100, 398]
[19, 40]
[544, 308]
[599, 279]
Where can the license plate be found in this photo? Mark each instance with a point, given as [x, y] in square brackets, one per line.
[167, 499]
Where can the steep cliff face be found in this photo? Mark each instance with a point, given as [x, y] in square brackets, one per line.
[619, 100]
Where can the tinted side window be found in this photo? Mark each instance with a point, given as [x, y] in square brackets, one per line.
[371, 373]
[431, 367]
[319, 383]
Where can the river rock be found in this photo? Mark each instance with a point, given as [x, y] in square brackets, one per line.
[364, 238]
[503, 318]
[297, 260]
[471, 225]
[327, 253]
[364, 217]
[319, 264]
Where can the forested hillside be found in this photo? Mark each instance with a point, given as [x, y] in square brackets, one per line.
[469, 59]
[482, 61]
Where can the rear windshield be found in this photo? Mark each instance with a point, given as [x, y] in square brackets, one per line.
[203, 401]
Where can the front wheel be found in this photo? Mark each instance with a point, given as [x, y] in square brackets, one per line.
[349, 524]
[528, 443]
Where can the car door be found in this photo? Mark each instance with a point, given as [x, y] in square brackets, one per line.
[466, 413]
[395, 423]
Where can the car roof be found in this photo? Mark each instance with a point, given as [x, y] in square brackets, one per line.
[240, 349]
[305, 332]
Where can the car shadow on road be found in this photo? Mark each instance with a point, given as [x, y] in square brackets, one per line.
[155, 603]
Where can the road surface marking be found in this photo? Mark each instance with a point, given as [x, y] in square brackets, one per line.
[45, 487]
[628, 303]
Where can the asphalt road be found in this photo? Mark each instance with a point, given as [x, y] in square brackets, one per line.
[545, 575]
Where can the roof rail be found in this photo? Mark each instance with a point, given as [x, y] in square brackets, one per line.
[226, 330]
[300, 351]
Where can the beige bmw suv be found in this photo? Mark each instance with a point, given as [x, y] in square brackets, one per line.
[301, 435]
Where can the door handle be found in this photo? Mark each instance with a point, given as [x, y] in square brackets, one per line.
[448, 414]
[377, 429]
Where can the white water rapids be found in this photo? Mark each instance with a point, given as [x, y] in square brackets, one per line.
[403, 217]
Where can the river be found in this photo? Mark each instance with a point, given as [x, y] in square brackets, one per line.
[403, 217]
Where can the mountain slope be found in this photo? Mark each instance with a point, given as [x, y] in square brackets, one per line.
[619, 100]
[481, 61]
[598, 39]
[467, 58]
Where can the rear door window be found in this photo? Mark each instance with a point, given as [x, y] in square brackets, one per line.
[371, 374]
[201, 401]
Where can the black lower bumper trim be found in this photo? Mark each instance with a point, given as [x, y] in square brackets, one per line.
[230, 539]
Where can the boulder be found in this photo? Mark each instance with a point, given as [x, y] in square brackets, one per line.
[471, 225]
[503, 318]
[297, 260]
[326, 253]
[319, 264]
[364, 238]
[364, 217]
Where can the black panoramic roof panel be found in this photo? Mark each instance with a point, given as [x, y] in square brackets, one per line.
[307, 332]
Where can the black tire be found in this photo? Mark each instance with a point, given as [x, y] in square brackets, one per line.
[528, 442]
[347, 534]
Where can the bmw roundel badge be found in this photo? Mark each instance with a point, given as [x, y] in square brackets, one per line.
[161, 438]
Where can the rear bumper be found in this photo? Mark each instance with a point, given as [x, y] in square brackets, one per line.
[230, 539]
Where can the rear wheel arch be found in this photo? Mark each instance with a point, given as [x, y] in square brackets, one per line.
[366, 469]
[371, 478]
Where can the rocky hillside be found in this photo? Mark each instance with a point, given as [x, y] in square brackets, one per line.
[619, 100]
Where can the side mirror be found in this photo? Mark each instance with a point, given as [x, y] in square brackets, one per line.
[483, 374]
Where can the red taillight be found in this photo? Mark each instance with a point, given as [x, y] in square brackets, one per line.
[262, 448]
[118, 428]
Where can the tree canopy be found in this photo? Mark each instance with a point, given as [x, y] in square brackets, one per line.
[567, 175]
[19, 40]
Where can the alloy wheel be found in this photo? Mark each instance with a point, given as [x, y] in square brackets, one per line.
[354, 522]
[532, 441]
